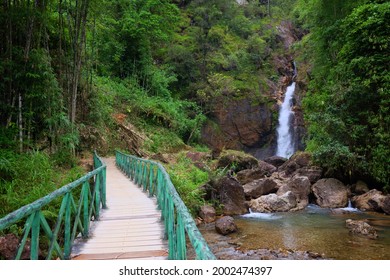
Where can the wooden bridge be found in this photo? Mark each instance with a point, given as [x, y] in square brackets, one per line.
[130, 227]
[142, 216]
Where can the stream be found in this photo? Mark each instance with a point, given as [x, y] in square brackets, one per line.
[313, 229]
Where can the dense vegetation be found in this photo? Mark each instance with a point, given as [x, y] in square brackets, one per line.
[347, 107]
[71, 72]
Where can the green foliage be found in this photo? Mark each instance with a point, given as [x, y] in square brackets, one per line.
[28, 177]
[168, 122]
[187, 178]
[348, 100]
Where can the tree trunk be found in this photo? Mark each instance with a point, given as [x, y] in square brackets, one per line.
[269, 8]
[78, 42]
[20, 124]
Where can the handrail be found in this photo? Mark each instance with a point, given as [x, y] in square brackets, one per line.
[153, 178]
[76, 215]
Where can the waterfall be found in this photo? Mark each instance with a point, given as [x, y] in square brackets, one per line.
[285, 143]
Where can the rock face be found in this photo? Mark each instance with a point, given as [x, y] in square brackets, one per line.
[274, 203]
[373, 200]
[231, 195]
[300, 187]
[259, 187]
[330, 193]
[361, 227]
[207, 213]
[225, 225]
[237, 124]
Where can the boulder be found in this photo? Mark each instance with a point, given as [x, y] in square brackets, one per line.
[207, 213]
[360, 187]
[259, 187]
[267, 168]
[300, 187]
[275, 160]
[249, 175]
[370, 201]
[274, 203]
[331, 193]
[225, 225]
[197, 156]
[313, 173]
[198, 159]
[231, 195]
[361, 227]
[236, 160]
[297, 161]
[386, 205]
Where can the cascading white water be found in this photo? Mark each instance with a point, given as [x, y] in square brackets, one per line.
[285, 145]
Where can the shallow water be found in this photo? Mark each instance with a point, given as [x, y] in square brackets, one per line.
[317, 230]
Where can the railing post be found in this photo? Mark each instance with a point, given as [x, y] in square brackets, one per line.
[35, 236]
[85, 191]
[104, 178]
[67, 245]
[97, 197]
[181, 253]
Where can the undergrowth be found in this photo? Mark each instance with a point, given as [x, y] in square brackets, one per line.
[187, 179]
[27, 177]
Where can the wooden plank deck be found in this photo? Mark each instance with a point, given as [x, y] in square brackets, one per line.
[129, 228]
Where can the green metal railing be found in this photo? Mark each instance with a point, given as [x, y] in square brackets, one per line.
[73, 218]
[153, 178]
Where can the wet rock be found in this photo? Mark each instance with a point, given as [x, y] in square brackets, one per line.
[231, 195]
[259, 187]
[274, 203]
[370, 201]
[236, 160]
[275, 160]
[361, 227]
[225, 225]
[207, 213]
[300, 187]
[330, 193]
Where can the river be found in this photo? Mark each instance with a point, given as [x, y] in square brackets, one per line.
[314, 229]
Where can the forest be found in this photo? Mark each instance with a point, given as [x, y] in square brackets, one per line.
[146, 76]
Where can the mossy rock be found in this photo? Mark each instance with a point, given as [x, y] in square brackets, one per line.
[236, 160]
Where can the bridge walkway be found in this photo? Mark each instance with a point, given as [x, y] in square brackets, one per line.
[130, 227]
